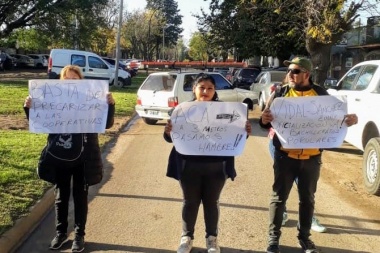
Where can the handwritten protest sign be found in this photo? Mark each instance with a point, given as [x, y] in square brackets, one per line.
[209, 128]
[310, 122]
[68, 106]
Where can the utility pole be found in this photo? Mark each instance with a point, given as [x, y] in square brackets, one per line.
[163, 43]
[359, 32]
[116, 79]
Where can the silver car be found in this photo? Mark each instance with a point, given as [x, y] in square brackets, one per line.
[162, 91]
[264, 84]
[40, 60]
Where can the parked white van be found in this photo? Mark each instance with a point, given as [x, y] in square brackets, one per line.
[93, 66]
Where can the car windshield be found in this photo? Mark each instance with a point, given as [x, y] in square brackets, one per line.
[278, 77]
[250, 72]
[159, 82]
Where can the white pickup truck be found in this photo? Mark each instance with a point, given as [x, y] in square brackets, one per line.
[361, 85]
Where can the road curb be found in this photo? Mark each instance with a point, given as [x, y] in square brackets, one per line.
[24, 226]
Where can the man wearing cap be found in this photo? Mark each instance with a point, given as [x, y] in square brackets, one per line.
[289, 164]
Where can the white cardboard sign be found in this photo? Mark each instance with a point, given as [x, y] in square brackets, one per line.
[310, 122]
[209, 128]
[68, 106]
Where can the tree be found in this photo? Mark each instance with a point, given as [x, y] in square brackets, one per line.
[248, 29]
[28, 13]
[282, 27]
[169, 21]
[324, 22]
[198, 47]
[31, 40]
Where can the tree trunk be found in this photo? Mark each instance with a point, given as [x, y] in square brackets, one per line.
[320, 57]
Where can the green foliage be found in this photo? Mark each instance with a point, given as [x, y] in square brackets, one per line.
[198, 47]
[26, 13]
[32, 40]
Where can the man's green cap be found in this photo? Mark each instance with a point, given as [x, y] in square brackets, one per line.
[303, 62]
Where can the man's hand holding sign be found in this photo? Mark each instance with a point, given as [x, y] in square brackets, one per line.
[209, 128]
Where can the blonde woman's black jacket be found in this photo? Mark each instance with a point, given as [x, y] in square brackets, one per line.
[93, 165]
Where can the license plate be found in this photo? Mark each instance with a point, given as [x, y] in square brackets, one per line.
[150, 112]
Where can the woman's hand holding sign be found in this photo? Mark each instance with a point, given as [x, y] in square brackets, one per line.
[168, 127]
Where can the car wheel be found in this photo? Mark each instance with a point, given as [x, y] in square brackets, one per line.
[371, 166]
[150, 121]
[128, 81]
[261, 103]
[120, 83]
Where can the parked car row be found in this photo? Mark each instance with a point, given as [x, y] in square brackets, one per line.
[6, 61]
[10, 61]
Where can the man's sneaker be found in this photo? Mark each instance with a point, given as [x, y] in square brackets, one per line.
[185, 245]
[308, 246]
[212, 244]
[316, 226]
[273, 248]
[284, 218]
[58, 241]
[78, 244]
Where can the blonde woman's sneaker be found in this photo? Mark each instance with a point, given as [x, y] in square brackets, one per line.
[284, 218]
[185, 245]
[212, 244]
[58, 241]
[316, 226]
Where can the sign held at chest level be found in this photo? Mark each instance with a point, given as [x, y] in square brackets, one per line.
[68, 106]
[209, 128]
[310, 122]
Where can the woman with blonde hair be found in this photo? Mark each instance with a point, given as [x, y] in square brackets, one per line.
[83, 173]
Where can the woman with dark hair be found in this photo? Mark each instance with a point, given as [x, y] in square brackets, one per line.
[201, 178]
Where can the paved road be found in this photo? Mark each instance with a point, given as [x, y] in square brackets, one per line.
[137, 209]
